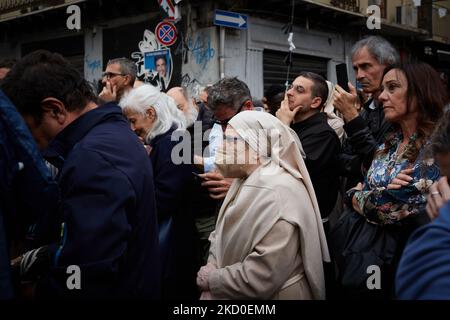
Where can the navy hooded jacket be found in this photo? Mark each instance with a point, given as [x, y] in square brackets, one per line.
[424, 269]
[108, 210]
[28, 194]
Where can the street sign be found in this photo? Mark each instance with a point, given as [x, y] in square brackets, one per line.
[166, 33]
[230, 19]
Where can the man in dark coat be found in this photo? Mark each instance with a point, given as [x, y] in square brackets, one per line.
[302, 111]
[365, 130]
[107, 209]
[27, 191]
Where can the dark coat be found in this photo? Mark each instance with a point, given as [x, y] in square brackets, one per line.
[364, 134]
[173, 187]
[108, 210]
[424, 269]
[27, 192]
[322, 147]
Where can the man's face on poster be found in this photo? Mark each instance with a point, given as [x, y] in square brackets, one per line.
[161, 67]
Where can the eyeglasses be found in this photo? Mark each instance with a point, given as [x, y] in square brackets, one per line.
[224, 122]
[109, 75]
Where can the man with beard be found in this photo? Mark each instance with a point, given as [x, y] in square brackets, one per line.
[203, 205]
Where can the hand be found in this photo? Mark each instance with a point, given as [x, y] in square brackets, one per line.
[355, 203]
[202, 276]
[206, 295]
[284, 113]
[109, 92]
[402, 179]
[346, 103]
[439, 195]
[217, 185]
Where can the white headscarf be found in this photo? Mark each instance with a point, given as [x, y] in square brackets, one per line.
[285, 151]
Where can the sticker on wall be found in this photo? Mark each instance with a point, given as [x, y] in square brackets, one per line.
[166, 33]
[154, 62]
[172, 11]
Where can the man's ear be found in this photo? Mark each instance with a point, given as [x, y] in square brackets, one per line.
[56, 109]
[248, 105]
[127, 79]
[316, 102]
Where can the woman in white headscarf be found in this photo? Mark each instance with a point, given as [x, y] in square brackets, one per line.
[269, 241]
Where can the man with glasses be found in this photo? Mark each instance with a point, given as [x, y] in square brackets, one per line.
[226, 98]
[117, 79]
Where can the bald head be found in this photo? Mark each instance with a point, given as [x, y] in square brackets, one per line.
[181, 98]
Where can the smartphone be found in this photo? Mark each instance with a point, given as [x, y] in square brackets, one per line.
[197, 176]
[342, 76]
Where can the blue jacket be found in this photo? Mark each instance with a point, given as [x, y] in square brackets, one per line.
[27, 192]
[108, 210]
[173, 187]
[424, 269]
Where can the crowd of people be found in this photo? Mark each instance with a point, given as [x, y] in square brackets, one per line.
[214, 195]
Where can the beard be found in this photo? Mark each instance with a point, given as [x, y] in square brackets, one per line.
[191, 116]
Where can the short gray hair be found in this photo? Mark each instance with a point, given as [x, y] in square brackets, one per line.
[379, 48]
[140, 99]
[127, 67]
[231, 92]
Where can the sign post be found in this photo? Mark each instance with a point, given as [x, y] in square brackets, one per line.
[230, 19]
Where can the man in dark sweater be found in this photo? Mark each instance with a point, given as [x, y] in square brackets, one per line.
[300, 109]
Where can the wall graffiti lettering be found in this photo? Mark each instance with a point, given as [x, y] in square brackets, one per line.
[201, 49]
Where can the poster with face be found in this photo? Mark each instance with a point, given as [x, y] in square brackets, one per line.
[158, 63]
[135, 41]
[154, 62]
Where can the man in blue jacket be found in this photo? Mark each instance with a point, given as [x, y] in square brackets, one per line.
[107, 209]
[28, 193]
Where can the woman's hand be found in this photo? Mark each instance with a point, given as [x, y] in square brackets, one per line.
[202, 276]
[402, 179]
[355, 204]
[439, 195]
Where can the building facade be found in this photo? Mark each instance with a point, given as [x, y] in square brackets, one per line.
[323, 34]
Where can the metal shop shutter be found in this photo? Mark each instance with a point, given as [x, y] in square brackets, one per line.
[275, 69]
[71, 48]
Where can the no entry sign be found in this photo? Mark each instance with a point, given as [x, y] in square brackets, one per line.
[166, 33]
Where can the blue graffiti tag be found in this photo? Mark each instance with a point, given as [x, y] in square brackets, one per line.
[201, 49]
[93, 65]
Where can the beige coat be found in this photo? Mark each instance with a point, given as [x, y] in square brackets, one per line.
[267, 242]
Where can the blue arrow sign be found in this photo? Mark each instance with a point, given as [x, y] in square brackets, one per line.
[230, 19]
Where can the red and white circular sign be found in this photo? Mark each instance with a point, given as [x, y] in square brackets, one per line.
[166, 33]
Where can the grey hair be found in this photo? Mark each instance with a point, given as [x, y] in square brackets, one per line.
[379, 48]
[230, 92]
[142, 98]
[127, 67]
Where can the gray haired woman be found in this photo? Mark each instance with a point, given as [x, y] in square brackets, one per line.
[153, 116]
